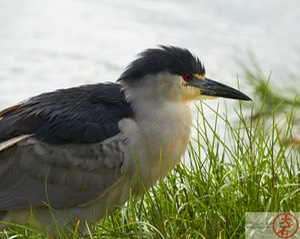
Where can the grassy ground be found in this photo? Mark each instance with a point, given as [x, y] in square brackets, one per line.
[250, 165]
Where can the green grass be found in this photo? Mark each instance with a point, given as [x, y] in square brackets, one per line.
[250, 164]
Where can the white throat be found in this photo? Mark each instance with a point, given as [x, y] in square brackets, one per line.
[164, 120]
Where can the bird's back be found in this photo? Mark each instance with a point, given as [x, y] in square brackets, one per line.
[84, 114]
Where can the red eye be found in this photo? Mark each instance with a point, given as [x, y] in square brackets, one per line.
[187, 77]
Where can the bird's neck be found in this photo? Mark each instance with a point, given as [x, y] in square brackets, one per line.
[166, 128]
[161, 117]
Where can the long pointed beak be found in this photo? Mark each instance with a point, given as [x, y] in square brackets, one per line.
[209, 87]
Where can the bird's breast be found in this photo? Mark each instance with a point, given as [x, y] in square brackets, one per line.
[159, 139]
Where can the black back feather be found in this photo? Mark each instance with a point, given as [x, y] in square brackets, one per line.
[82, 114]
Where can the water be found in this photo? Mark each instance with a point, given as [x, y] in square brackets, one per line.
[46, 45]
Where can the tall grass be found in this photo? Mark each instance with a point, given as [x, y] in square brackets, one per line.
[247, 168]
[252, 164]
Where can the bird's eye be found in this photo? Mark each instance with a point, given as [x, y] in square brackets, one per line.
[187, 76]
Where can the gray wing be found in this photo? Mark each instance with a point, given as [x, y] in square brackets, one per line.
[35, 173]
[62, 148]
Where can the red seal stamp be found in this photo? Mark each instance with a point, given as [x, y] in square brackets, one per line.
[285, 225]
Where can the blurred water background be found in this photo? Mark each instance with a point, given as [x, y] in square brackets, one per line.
[51, 44]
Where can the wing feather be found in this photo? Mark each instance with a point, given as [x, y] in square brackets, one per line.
[62, 148]
[61, 176]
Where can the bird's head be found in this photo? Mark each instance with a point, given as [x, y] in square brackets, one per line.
[172, 73]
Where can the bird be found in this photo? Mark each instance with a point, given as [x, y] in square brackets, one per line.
[74, 155]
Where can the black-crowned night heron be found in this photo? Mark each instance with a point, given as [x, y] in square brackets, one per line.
[80, 151]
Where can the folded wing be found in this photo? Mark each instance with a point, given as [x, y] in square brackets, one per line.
[62, 148]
